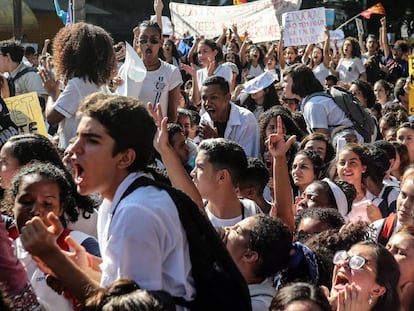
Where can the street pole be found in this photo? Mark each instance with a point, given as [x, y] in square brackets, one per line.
[79, 11]
[17, 19]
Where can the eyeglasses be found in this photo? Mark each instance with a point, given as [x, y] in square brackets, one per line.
[355, 262]
[146, 40]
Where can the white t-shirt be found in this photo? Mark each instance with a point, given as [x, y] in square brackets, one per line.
[321, 72]
[144, 240]
[322, 112]
[68, 103]
[254, 71]
[221, 71]
[250, 208]
[350, 69]
[158, 83]
[261, 295]
[47, 297]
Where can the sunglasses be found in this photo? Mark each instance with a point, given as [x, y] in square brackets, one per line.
[355, 262]
[146, 40]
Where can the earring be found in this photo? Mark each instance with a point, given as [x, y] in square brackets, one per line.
[370, 300]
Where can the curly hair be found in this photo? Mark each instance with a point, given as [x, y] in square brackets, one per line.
[84, 51]
[356, 49]
[366, 90]
[328, 242]
[52, 174]
[272, 240]
[329, 216]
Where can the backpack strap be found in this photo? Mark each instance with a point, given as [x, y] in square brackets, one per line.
[145, 181]
[384, 206]
[10, 79]
[387, 229]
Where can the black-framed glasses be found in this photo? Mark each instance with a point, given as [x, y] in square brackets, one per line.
[355, 262]
[150, 40]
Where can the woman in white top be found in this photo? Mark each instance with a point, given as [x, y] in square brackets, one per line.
[318, 59]
[210, 57]
[170, 53]
[84, 61]
[350, 66]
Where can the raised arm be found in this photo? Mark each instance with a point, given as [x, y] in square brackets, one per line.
[384, 38]
[236, 34]
[280, 47]
[243, 48]
[307, 54]
[194, 48]
[327, 48]
[222, 37]
[361, 43]
[195, 97]
[176, 172]
[282, 187]
[45, 47]
[158, 7]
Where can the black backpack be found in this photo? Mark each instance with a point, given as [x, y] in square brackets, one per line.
[362, 120]
[10, 80]
[218, 281]
[385, 207]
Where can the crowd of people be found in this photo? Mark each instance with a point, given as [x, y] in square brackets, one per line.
[314, 215]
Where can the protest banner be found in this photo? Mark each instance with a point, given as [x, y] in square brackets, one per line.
[304, 27]
[259, 18]
[26, 113]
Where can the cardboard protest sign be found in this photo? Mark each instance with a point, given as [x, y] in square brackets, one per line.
[26, 113]
[304, 27]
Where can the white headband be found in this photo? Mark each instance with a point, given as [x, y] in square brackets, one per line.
[340, 198]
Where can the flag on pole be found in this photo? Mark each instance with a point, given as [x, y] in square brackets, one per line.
[236, 2]
[69, 17]
[375, 9]
[59, 12]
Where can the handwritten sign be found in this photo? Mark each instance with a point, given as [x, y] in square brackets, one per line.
[26, 113]
[259, 18]
[304, 27]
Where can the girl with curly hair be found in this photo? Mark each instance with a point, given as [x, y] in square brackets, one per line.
[350, 66]
[84, 62]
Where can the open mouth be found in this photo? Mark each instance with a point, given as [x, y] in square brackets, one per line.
[79, 173]
[340, 281]
[148, 51]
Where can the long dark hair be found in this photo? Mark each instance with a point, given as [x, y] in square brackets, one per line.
[304, 82]
[270, 99]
